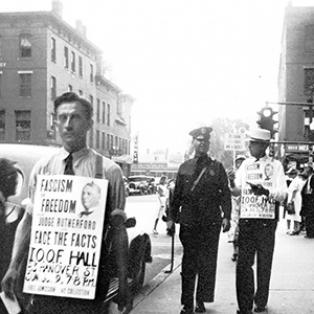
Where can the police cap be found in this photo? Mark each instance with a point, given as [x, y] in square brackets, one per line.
[202, 132]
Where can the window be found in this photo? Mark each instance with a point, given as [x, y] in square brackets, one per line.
[53, 87]
[97, 139]
[98, 110]
[108, 114]
[66, 57]
[51, 134]
[91, 73]
[53, 50]
[0, 46]
[91, 99]
[25, 84]
[108, 142]
[80, 66]
[70, 88]
[309, 38]
[111, 142]
[103, 113]
[123, 147]
[25, 46]
[116, 145]
[2, 124]
[103, 140]
[73, 61]
[308, 81]
[23, 125]
[119, 108]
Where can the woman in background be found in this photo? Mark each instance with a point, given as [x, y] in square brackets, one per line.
[294, 202]
[163, 195]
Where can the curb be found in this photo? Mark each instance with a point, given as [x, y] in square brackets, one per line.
[156, 282]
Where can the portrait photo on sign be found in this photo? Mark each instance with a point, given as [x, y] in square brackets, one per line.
[91, 195]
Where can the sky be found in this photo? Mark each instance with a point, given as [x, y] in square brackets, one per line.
[186, 62]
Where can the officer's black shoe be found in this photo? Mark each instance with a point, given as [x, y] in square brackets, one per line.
[260, 309]
[200, 308]
[246, 312]
[186, 310]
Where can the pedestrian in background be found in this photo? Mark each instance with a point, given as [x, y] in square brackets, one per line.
[289, 179]
[308, 202]
[201, 195]
[262, 185]
[170, 225]
[294, 202]
[163, 194]
[233, 233]
[73, 120]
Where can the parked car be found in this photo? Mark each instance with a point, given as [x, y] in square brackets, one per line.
[152, 187]
[141, 185]
[139, 247]
[126, 186]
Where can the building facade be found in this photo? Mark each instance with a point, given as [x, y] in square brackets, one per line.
[41, 57]
[296, 81]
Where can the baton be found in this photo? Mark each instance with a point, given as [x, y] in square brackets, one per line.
[173, 232]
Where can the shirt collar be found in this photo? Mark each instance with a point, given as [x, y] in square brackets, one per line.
[76, 155]
[264, 158]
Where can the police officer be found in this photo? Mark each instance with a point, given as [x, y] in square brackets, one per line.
[262, 185]
[201, 192]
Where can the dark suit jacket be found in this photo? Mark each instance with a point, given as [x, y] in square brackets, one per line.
[308, 199]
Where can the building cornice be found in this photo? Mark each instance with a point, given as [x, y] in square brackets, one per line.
[47, 17]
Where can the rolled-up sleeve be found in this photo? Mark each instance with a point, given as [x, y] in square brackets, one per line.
[279, 190]
[116, 190]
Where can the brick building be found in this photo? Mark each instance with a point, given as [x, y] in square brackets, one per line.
[296, 79]
[41, 56]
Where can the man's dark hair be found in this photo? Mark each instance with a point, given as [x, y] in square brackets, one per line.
[72, 97]
[8, 175]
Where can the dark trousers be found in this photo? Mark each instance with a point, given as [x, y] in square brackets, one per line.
[200, 247]
[309, 225]
[255, 236]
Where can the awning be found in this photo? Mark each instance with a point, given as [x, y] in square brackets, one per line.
[123, 159]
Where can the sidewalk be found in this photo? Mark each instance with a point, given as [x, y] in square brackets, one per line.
[292, 283]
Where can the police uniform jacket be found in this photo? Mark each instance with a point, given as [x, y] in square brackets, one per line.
[205, 202]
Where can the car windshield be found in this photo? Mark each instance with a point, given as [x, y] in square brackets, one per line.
[137, 179]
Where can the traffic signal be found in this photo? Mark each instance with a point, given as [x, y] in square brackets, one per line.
[135, 157]
[266, 120]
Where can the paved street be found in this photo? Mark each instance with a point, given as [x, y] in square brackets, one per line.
[292, 284]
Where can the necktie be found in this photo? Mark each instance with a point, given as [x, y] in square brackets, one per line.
[69, 165]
